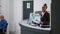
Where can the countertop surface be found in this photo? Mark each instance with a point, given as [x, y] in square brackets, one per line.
[25, 23]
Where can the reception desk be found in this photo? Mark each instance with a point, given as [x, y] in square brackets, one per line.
[28, 29]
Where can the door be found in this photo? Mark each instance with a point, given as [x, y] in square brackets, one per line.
[27, 8]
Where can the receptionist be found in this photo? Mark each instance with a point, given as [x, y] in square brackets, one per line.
[45, 15]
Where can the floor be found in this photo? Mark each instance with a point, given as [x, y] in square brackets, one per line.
[11, 32]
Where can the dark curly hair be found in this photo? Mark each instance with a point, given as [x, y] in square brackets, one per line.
[45, 5]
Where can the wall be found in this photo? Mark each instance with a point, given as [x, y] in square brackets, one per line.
[27, 0]
[39, 3]
[11, 16]
[15, 16]
[55, 17]
[0, 6]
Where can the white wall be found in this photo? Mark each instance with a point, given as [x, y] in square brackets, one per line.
[11, 16]
[15, 15]
[0, 6]
[5, 11]
[39, 3]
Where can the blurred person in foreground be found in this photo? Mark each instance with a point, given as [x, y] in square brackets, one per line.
[3, 24]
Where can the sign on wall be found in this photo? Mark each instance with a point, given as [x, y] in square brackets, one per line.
[28, 5]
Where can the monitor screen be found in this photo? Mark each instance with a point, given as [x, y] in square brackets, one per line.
[35, 17]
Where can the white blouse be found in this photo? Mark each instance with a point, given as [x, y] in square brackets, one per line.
[43, 14]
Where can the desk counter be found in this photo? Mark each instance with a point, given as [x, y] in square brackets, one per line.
[28, 29]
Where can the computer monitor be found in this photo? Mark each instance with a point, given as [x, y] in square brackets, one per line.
[35, 17]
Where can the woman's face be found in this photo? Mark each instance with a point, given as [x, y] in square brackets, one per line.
[44, 8]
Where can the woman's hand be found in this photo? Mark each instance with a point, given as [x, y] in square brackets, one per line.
[41, 22]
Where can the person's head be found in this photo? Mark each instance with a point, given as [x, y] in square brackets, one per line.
[44, 7]
[1, 17]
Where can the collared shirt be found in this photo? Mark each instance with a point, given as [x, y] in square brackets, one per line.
[3, 24]
[43, 14]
